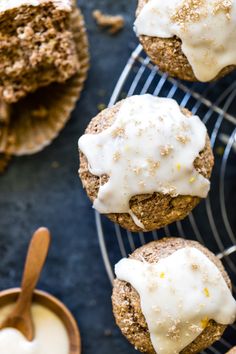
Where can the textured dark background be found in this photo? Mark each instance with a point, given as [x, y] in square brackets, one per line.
[44, 189]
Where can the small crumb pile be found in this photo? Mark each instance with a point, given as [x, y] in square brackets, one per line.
[114, 23]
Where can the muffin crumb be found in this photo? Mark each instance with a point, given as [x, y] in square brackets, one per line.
[113, 23]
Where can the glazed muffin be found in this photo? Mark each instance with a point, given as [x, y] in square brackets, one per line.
[37, 46]
[190, 40]
[232, 351]
[145, 163]
[168, 295]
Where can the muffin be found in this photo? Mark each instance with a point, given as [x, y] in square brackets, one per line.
[232, 351]
[168, 294]
[190, 40]
[145, 163]
[29, 125]
[36, 46]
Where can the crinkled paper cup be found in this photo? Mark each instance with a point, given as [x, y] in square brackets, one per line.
[37, 119]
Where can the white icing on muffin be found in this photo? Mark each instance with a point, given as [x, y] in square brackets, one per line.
[150, 147]
[179, 295]
[207, 29]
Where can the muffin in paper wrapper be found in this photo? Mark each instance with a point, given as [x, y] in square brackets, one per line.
[4, 162]
[38, 118]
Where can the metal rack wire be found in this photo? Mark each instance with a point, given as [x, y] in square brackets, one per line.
[213, 223]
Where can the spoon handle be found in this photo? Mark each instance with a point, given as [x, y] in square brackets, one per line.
[36, 256]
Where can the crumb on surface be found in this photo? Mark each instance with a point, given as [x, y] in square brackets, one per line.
[114, 23]
[55, 164]
[101, 106]
[220, 150]
[107, 332]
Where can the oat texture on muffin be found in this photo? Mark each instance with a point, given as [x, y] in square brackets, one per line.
[189, 39]
[30, 124]
[172, 296]
[36, 46]
[145, 163]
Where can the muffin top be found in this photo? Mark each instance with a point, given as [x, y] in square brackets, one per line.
[150, 147]
[179, 295]
[206, 28]
[6, 5]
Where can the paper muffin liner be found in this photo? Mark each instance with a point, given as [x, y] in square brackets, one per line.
[4, 162]
[37, 119]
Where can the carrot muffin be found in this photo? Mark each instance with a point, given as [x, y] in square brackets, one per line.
[145, 163]
[189, 39]
[232, 351]
[36, 46]
[172, 296]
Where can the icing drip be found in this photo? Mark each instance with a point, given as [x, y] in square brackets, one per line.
[11, 4]
[150, 147]
[179, 295]
[207, 29]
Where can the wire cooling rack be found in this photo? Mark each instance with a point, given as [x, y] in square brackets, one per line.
[213, 223]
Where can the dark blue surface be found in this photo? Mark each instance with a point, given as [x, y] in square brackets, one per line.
[34, 193]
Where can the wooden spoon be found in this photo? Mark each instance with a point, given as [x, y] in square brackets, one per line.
[20, 318]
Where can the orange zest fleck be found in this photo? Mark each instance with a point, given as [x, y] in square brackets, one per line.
[192, 179]
[178, 166]
[206, 292]
[204, 322]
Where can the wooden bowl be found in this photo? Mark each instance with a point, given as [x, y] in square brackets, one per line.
[10, 296]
